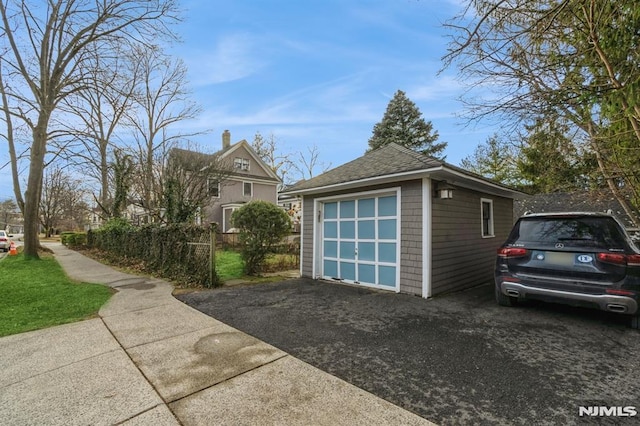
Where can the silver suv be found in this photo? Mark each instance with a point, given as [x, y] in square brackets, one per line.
[580, 259]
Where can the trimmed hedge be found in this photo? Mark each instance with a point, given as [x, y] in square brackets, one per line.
[178, 251]
[73, 239]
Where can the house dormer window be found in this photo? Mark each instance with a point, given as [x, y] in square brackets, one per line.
[241, 164]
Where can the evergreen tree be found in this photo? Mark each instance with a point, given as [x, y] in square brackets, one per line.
[403, 124]
[549, 161]
[495, 159]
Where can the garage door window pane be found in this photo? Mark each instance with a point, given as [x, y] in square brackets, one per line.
[331, 268]
[348, 271]
[387, 252]
[347, 209]
[387, 276]
[331, 230]
[387, 206]
[367, 207]
[331, 210]
[367, 229]
[331, 249]
[387, 229]
[348, 229]
[347, 250]
[367, 251]
[367, 274]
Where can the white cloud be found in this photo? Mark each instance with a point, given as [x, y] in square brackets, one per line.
[233, 57]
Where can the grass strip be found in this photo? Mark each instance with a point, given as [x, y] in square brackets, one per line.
[38, 294]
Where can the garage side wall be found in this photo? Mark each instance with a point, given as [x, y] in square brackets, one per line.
[306, 232]
[461, 256]
[411, 238]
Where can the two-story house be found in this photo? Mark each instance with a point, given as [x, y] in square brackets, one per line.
[248, 179]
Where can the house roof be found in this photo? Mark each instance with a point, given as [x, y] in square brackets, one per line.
[226, 152]
[391, 163]
[592, 201]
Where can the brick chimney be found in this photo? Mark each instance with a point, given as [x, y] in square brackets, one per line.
[226, 139]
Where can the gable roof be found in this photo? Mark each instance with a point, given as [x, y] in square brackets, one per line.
[226, 153]
[391, 163]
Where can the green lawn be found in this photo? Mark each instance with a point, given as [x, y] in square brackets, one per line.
[37, 294]
[229, 265]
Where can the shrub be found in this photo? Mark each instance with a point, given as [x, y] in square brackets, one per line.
[73, 239]
[262, 225]
[177, 251]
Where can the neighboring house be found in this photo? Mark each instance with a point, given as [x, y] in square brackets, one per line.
[583, 201]
[395, 219]
[293, 206]
[249, 179]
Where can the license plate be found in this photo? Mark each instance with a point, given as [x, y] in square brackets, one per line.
[555, 258]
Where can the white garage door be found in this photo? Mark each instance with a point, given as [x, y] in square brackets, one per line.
[360, 240]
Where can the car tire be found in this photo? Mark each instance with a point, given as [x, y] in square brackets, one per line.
[634, 322]
[504, 300]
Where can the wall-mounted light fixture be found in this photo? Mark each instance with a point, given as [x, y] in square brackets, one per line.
[444, 190]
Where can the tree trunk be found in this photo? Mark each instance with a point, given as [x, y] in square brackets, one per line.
[34, 189]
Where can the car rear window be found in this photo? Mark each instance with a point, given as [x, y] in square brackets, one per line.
[597, 232]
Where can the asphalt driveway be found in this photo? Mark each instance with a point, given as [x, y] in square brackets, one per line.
[455, 359]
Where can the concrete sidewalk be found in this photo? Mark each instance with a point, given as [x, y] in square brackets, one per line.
[150, 359]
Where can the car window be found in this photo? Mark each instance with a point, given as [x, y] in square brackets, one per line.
[572, 232]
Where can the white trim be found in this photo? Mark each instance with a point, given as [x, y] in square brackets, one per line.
[225, 207]
[241, 178]
[316, 254]
[441, 172]
[492, 231]
[317, 268]
[426, 237]
[301, 235]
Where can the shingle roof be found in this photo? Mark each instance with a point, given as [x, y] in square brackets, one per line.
[583, 201]
[388, 160]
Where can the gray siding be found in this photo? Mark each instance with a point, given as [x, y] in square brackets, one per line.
[307, 237]
[461, 257]
[411, 238]
[231, 192]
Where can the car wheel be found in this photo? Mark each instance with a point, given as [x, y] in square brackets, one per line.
[504, 300]
[635, 322]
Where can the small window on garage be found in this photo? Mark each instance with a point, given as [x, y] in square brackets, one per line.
[487, 218]
[247, 189]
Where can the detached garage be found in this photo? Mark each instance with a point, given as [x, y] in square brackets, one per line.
[397, 220]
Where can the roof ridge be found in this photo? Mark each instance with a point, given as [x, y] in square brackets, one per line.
[415, 154]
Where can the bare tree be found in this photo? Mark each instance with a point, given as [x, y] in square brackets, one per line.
[269, 152]
[160, 104]
[101, 109]
[308, 163]
[45, 51]
[8, 213]
[61, 195]
[192, 181]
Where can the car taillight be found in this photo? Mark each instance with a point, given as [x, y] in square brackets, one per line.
[616, 258]
[620, 259]
[620, 292]
[3, 239]
[511, 252]
[633, 260]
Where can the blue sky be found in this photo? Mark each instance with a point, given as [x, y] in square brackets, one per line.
[316, 72]
[321, 71]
